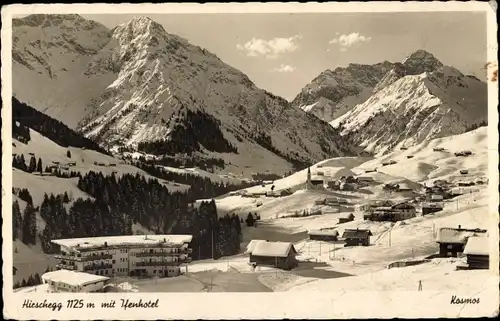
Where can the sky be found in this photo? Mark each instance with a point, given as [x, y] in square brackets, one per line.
[283, 52]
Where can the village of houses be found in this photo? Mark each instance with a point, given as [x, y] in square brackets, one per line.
[325, 222]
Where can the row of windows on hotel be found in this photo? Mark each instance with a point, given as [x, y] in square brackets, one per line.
[107, 252]
[125, 270]
[155, 259]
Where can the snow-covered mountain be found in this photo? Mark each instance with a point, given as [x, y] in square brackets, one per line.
[418, 100]
[140, 87]
[335, 92]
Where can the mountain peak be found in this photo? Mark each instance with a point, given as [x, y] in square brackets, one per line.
[140, 25]
[422, 61]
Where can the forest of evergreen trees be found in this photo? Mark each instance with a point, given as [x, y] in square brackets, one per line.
[119, 203]
[476, 126]
[201, 187]
[19, 162]
[28, 117]
[197, 128]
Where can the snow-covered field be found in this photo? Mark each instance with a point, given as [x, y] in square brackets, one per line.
[411, 239]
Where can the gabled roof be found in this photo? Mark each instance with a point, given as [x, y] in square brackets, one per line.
[273, 249]
[356, 233]
[477, 245]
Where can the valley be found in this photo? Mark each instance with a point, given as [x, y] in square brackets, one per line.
[136, 131]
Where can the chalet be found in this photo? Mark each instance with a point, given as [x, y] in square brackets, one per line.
[327, 235]
[477, 252]
[452, 240]
[280, 255]
[438, 149]
[398, 212]
[346, 217]
[374, 204]
[404, 148]
[428, 208]
[357, 237]
[464, 172]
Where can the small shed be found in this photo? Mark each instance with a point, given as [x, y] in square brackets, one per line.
[274, 254]
[346, 217]
[357, 237]
[477, 252]
[464, 171]
[330, 235]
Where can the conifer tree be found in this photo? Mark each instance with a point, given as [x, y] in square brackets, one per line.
[39, 167]
[32, 165]
[16, 220]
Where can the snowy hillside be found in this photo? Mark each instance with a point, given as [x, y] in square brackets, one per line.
[417, 101]
[414, 238]
[156, 92]
[335, 92]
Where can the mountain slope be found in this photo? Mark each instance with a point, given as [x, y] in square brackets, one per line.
[49, 54]
[333, 93]
[418, 100]
[153, 91]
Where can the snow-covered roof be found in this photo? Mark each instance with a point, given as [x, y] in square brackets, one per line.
[477, 245]
[72, 277]
[324, 232]
[116, 241]
[453, 235]
[346, 215]
[272, 249]
[358, 232]
[251, 245]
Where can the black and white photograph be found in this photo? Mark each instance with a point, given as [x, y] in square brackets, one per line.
[249, 152]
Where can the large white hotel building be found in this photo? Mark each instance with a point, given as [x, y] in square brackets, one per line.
[130, 255]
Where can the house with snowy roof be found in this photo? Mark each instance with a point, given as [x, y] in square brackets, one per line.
[452, 240]
[346, 217]
[357, 237]
[327, 235]
[72, 281]
[477, 252]
[280, 255]
[428, 208]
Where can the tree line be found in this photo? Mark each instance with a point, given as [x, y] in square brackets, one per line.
[196, 129]
[117, 204]
[28, 117]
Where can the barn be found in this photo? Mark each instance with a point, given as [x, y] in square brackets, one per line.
[323, 235]
[280, 255]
